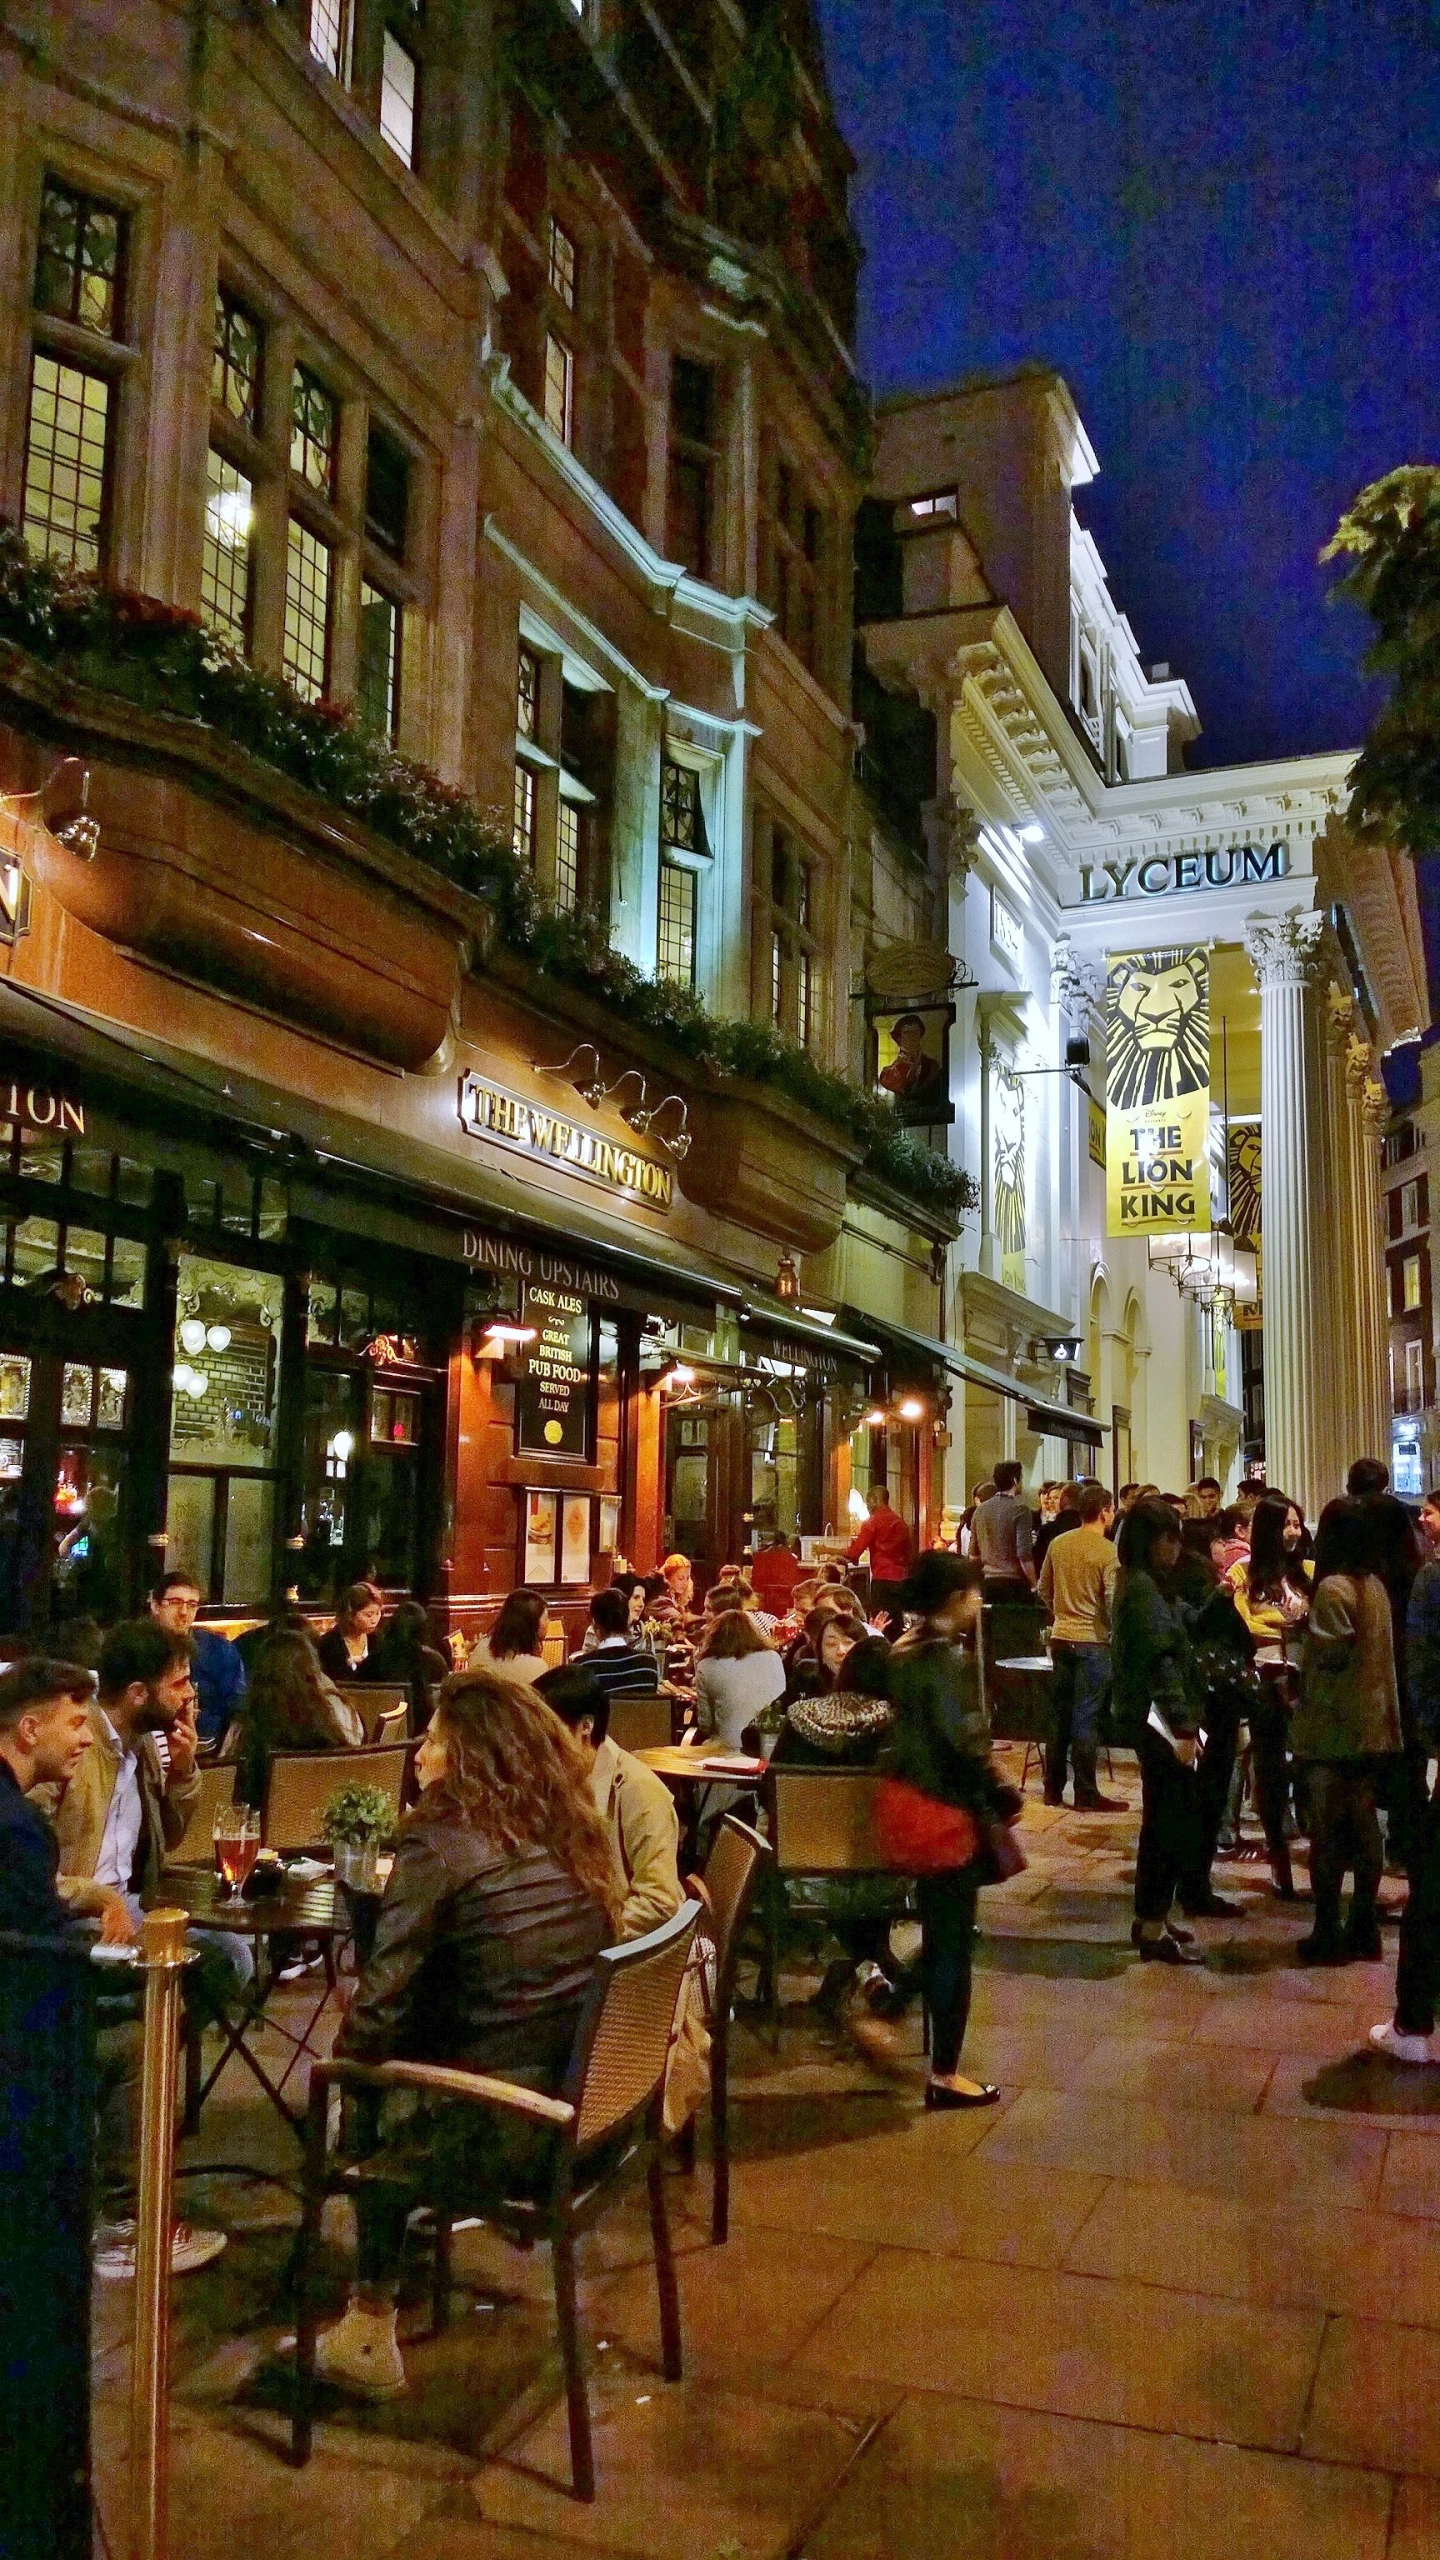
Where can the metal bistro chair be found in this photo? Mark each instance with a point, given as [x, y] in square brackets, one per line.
[821, 1823]
[737, 1861]
[612, 2095]
[301, 1784]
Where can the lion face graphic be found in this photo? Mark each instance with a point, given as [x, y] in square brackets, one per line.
[1158, 1042]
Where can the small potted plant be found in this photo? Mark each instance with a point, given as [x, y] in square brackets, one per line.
[356, 1823]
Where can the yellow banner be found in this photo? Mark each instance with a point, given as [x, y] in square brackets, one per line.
[1157, 1091]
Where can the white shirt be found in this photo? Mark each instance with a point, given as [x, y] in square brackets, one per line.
[120, 1839]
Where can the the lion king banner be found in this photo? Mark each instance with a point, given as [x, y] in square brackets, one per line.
[1157, 1091]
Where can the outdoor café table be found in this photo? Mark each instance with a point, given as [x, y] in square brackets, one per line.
[316, 1911]
[687, 1772]
[1020, 1710]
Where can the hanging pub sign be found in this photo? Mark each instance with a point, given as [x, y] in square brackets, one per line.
[554, 1394]
[912, 1063]
[1157, 1091]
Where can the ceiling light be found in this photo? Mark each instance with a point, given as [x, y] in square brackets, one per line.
[192, 1334]
[1032, 834]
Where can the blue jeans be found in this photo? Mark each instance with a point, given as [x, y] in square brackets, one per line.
[1080, 1686]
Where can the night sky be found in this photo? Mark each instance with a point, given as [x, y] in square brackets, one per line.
[1221, 224]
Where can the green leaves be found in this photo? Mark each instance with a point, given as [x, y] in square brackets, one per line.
[1391, 534]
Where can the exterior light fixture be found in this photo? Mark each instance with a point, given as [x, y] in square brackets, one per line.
[911, 1409]
[343, 1446]
[787, 1280]
[677, 1375]
[1064, 1347]
[1032, 834]
[501, 1336]
[874, 1420]
[217, 1337]
[591, 1088]
[192, 1335]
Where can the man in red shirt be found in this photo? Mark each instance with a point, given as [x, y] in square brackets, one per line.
[774, 1572]
[891, 1550]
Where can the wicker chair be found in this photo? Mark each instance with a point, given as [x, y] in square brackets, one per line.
[606, 2122]
[374, 1700]
[392, 1725]
[301, 1784]
[195, 1846]
[821, 1823]
[733, 1870]
[640, 1724]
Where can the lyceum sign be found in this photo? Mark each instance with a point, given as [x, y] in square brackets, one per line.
[1156, 875]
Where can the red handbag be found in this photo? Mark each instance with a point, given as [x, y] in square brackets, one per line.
[920, 1836]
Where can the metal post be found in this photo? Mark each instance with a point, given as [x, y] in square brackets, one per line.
[162, 1959]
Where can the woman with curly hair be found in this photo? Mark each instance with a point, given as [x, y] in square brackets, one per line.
[503, 1892]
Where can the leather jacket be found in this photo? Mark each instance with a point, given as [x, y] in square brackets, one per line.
[482, 1957]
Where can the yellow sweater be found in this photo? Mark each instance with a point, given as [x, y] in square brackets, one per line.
[1077, 1584]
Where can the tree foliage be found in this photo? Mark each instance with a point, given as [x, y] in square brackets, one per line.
[1391, 536]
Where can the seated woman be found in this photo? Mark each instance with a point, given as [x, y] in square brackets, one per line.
[738, 1673]
[407, 1653]
[289, 1706]
[349, 1651]
[513, 1645]
[503, 1892]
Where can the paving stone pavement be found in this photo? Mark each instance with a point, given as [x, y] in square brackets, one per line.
[1178, 2293]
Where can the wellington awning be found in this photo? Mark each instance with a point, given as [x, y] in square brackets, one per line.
[1059, 1421]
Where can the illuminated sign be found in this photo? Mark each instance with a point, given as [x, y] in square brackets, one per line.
[526, 1262]
[488, 1111]
[1156, 875]
[36, 1107]
[552, 1405]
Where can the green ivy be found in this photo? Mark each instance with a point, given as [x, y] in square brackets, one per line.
[166, 661]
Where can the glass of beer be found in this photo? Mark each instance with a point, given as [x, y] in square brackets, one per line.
[237, 1846]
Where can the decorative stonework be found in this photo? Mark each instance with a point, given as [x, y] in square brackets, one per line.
[1290, 950]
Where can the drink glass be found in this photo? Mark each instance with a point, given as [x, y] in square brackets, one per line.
[237, 1846]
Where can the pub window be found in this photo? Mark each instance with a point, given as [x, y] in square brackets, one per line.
[399, 75]
[692, 464]
[562, 264]
[235, 361]
[682, 815]
[569, 830]
[220, 1510]
[67, 462]
[793, 956]
[522, 832]
[80, 261]
[314, 432]
[225, 553]
[1410, 1283]
[377, 686]
[559, 388]
[307, 611]
[679, 898]
[387, 491]
[792, 547]
[527, 695]
[330, 35]
[1414, 1376]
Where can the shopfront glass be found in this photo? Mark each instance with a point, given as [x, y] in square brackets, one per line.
[371, 1430]
[225, 1389]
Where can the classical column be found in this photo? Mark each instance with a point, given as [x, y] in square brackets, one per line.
[1350, 1415]
[1365, 1124]
[1288, 955]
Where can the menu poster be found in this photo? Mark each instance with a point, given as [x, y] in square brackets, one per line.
[575, 1537]
[540, 1519]
[552, 1401]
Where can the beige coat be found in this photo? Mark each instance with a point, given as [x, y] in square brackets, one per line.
[1349, 1707]
[79, 1812]
[646, 1834]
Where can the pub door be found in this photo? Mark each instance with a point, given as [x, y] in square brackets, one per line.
[65, 1531]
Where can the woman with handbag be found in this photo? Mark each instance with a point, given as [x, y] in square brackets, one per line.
[1155, 1713]
[1271, 1591]
[942, 1810]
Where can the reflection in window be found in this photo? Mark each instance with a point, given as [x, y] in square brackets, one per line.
[77, 1395]
[12, 1458]
[227, 1362]
[110, 1399]
[14, 1388]
[85, 1258]
[127, 1272]
[34, 1249]
[394, 1418]
[87, 1563]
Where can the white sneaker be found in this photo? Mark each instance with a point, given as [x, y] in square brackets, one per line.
[1387, 2039]
[361, 2354]
[114, 2259]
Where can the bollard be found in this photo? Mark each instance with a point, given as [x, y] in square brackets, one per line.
[163, 1959]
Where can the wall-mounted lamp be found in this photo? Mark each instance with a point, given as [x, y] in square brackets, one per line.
[500, 1337]
[874, 1420]
[643, 1116]
[592, 1088]
[911, 1409]
[1064, 1347]
[678, 1375]
[787, 1280]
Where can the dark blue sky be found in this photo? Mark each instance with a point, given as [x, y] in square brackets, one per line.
[1221, 223]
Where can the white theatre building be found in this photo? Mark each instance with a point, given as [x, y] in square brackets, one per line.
[1072, 832]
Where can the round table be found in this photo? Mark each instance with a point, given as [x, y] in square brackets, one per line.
[316, 1910]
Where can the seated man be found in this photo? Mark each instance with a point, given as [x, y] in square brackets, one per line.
[636, 1804]
[216, 1664]
[126, 1807]
[623, 1668]
[45, 1736]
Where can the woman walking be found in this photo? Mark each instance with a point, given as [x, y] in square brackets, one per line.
[1346, 1730]
[941, 1797]
[1155, 1713]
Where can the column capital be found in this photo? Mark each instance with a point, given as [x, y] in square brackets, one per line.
[1289, 950]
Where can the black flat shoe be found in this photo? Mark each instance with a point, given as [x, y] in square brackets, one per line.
[1168, 1949]
[942, 2099]
[1183, 1937]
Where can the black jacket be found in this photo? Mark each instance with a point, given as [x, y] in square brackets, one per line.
[941, 1737]
[482, 1957]
[29, 1863]
[1150, 1658]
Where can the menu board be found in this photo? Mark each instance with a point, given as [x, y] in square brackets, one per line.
[553, 1399]
[540, 1519]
